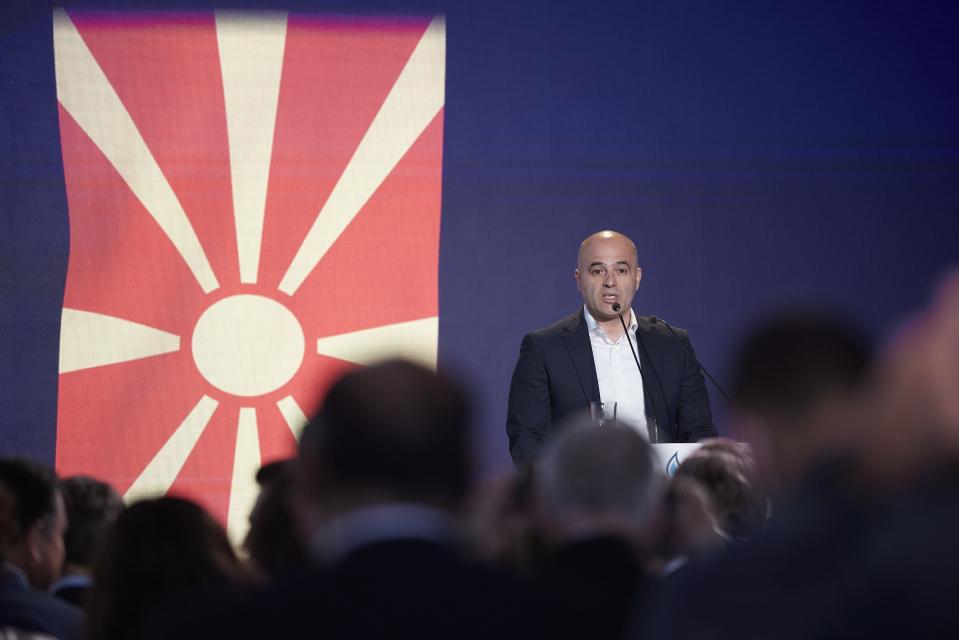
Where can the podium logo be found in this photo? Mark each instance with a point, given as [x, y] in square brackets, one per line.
[254, 205]
[672, 465]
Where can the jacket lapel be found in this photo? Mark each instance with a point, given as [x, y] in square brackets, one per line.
[651, 361]
[581, 354]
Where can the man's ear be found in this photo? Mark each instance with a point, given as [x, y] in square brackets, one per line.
[639, 276]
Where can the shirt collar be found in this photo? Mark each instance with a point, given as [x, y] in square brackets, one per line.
[378, 523]
[16, 571]
[593, 325]
[72, 581]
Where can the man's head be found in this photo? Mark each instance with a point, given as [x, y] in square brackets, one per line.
[32, 520]
[607, 273]
[274, 541]
[727, 471]
[795, 386]
[92, 506]
[393, 432]
[592, 481]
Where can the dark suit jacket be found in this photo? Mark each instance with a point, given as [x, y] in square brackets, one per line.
[599, 579]
[27, 609]
[401, 588]
[555, 377]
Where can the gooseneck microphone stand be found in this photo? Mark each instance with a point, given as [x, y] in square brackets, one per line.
[651, 427]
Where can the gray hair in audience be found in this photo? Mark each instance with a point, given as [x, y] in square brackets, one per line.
[599, 470]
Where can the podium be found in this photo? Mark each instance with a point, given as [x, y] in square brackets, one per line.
[671, 454]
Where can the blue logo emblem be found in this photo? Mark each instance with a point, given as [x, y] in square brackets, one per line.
[672, 465]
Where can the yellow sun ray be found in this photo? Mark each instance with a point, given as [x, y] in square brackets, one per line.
[87, 95]
[89, 339]
[294, 416]
[413, 102]
[246, 462]
[251, 62]
[415, 340]
[158, 476]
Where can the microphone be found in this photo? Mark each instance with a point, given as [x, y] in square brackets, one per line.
[654, 320]
[651, 427]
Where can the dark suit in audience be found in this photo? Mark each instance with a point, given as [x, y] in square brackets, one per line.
[413, 588]
[27, 609]
[73, 589]
[600, 578]
[905, 569]
[32, 521]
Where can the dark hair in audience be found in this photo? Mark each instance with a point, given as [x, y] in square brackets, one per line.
[272, 541]
[273, 471]
[157, 552]
[92, 506]
[33, 490]
[727, 471]
[794, 359]
[395, 427]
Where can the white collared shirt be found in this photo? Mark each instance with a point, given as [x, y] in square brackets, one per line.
[619, 378]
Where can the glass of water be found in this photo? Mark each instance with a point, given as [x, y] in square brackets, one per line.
[603, 413]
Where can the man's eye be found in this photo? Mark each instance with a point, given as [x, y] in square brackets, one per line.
[623, 270]
[597, 272]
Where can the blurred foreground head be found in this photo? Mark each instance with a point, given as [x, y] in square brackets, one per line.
[916, 406]
[596, 481]
[274, 540]
[32, 520]
[158, 553]
[727, 471]
[92, 506]
[796, 388]
[393, 432]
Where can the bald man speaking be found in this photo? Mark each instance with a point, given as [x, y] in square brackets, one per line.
[587, 357]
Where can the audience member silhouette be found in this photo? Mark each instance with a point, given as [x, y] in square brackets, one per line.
[714, 498]
[798, 395]
[798, 388]
[596, 490]
[274, 540]
[161, 556]
[386, 465]
[32, 522]
[685, 527]
[907, 565]
[92, 506]
[498, 522]
[727, 471]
